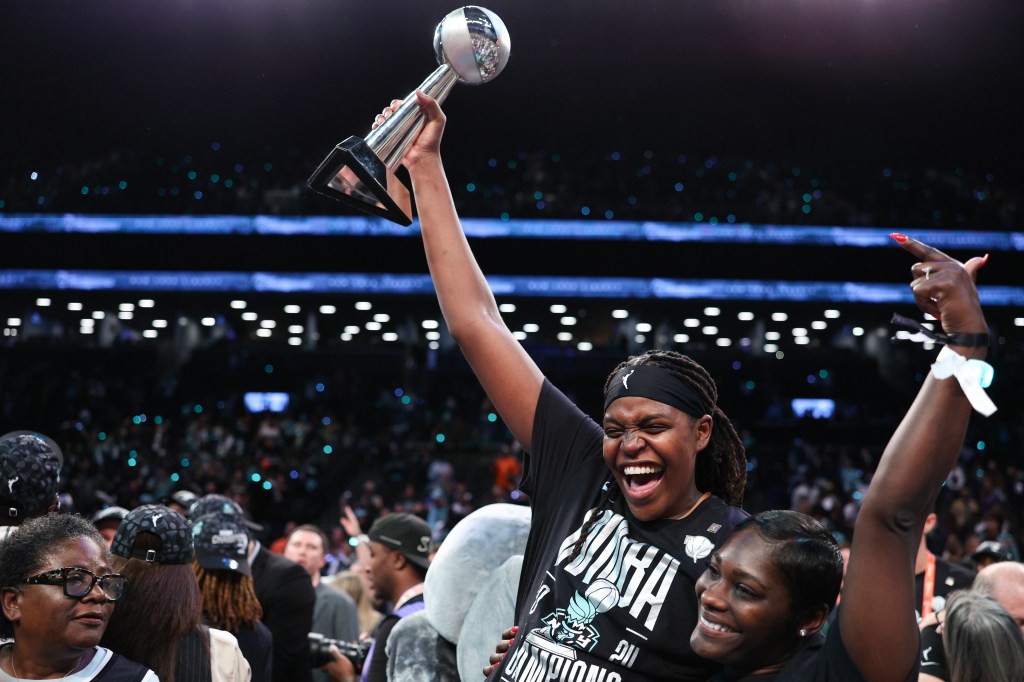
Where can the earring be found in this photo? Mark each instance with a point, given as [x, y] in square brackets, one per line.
[803, 633]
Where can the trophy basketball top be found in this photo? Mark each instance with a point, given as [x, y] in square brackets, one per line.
[473, 41]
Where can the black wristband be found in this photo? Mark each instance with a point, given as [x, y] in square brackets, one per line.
[967, 340]
[963, 339]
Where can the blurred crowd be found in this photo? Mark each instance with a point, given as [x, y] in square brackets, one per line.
[395, 437]
[628, 184]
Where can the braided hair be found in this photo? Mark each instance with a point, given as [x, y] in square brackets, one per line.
[229, 601]
[721, 468]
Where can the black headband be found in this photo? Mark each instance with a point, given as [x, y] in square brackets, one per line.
[656, 383]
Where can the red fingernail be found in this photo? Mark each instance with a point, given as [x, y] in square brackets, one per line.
[898, 237]
[983, 261]
[515, 629]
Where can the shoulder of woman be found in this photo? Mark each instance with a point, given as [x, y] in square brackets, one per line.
[222, 638]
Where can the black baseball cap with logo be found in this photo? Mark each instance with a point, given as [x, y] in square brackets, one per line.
[165, 523]
[222, 542]
[30, 466]
[405, 533]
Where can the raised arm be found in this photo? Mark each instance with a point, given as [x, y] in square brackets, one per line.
[509, 376]
[877, 620]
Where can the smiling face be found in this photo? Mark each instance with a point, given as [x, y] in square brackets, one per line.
[743, 615]
[47, 621]
[651, 449]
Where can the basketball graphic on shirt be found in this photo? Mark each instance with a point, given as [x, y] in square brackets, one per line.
[698, 547]
[603, 595]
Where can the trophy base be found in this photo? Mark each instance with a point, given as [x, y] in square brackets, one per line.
[354, 175]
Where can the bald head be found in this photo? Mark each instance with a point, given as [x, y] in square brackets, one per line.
[1004, 582]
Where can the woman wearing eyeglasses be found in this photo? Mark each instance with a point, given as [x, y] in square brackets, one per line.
[58, 592]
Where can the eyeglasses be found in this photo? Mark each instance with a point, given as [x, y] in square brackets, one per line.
[78, 582]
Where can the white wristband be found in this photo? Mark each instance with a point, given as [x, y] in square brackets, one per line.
[974, 376]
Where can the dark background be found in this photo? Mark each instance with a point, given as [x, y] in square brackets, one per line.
[880, 79]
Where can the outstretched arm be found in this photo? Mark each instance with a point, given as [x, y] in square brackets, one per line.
[877, 621]
[509, 376]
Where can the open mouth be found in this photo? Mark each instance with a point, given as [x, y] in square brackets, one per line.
[641, 479]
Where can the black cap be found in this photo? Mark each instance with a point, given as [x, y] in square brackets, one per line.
[208, 504]
[116, 514]
[29, 474]
[182, 498]
[994, 549]
[221, 542]
[167, 524]
[406, 533]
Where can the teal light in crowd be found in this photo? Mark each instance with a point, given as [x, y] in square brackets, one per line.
[185, 462]
[491, 417]
[102, 435]
[132, 462]
[269, 369]
[328, 449]
[198, 409]
[158, 420]
[981, 445]
[823, 373]
[406, 400]
[439, 438]
[267, 485]
[256, 478]
[175, 477]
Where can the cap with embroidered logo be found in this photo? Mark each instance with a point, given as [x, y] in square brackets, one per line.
[405, 533]
[222, 504]
[30, 466]
[221, 542]
[170, 527]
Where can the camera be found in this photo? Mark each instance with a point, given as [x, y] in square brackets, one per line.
[320, 650]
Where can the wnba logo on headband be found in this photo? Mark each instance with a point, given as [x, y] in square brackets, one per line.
[656, 383]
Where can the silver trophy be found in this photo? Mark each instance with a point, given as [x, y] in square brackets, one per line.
[472, 47]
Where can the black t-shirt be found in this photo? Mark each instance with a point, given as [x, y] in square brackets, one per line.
[820, 659]
[948, 578]
[625, 608]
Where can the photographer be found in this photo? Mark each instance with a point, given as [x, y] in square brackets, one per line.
[399, 557]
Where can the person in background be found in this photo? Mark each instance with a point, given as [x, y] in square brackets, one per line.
[355, 586]
[30, 465]
[399, 550]
[934, 577]
[58, 593]
[982, 641]
[284, 591]
[1002, 582]
[180, 501]
[159, 622]
[990, 552]
[334, 615]
[225, 583]
[107, 521]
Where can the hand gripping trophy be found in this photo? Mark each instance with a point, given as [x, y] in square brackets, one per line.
[472, 47]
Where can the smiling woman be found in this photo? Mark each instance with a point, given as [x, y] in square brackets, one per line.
[624, 517]
[58, 593]
[769, 588]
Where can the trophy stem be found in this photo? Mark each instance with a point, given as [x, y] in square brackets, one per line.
[392, 138]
